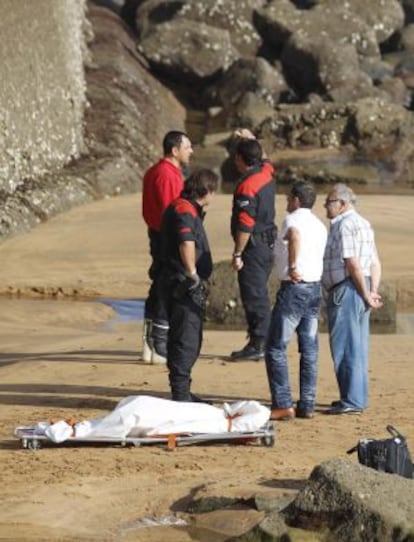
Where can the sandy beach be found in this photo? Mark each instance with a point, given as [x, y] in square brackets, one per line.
[63, 358]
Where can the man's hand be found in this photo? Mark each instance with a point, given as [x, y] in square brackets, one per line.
[237, 262]
[294, 274]
[194, 278]
[244, 133]
[374, 301]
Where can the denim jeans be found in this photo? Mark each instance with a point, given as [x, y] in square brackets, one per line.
[348, 322]
[296, 309]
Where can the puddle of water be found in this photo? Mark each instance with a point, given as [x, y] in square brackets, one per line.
[132, 310]
[127, 310]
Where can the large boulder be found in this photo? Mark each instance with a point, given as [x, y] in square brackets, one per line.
[248, 91]
[279, 19]
[355, 503]
[196, 39]
[224, 306]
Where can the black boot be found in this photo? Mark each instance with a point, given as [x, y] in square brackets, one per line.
[159, 336]
[254, 350]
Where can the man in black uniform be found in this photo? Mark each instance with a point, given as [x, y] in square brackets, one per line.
[187, 262]
[253, 230]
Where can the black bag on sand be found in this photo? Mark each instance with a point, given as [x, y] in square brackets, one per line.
[386, 455]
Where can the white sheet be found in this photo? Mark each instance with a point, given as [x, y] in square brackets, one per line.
[138, 416]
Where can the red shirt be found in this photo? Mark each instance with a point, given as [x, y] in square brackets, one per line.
[162, 183]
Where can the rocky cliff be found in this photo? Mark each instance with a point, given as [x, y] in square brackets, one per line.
[89, 89]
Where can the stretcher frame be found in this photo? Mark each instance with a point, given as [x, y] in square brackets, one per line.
[32, 438]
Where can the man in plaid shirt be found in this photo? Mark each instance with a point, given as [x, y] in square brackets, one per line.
[351, 276]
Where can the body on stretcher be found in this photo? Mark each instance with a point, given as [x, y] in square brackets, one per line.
[32, 439]
[139, 420]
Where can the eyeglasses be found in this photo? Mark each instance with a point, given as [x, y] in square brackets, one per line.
[329, 201]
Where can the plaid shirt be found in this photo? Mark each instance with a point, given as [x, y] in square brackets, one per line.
[350, 236]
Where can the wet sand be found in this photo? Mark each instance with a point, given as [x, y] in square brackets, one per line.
[60, 359]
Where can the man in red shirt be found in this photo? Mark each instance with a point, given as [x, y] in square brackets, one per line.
[162, 183]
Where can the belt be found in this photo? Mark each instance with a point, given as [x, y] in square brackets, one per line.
[266, 236]
[286, 282]
[338, 284]
[342, 282]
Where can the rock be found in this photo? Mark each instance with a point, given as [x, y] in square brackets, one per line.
[320, 64]
[279, 20]
[355, 503]
[121, 138]
[43, 94]
[213, 35]
[200, 53]
[210, 504]
[224, 306]
[232, 522]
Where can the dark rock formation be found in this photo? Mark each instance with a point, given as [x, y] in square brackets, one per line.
[225, 308]
[128, 113]
[321, 83]
[196, 39]
[42, 91]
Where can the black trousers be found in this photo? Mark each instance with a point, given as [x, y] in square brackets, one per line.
[184, 342]
[253, 278]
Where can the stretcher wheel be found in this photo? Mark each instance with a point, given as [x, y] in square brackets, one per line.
[33, 445]
[268, 441]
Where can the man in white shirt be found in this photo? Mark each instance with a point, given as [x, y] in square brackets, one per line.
[299, 260]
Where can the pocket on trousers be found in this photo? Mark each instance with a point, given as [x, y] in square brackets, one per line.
[338, 295]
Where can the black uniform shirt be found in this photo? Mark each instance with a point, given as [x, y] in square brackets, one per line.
[183, 221]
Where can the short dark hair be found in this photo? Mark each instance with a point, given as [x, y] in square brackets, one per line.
[200, 183]
[172, 139]
[250, 151]
[305, 192]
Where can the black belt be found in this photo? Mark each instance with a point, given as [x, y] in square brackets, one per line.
[342, 281]
[338, 284]
[266, 236]
[299, 282]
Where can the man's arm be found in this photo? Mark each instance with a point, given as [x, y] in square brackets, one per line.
[188, 257]
[375, 272]
[292, 237]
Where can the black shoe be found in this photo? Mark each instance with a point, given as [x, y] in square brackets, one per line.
[305, 414]
[254, 350]
[342, 409]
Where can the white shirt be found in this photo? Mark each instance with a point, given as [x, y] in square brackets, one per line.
[313, 234]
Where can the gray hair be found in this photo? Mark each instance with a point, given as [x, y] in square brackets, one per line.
[344, 193]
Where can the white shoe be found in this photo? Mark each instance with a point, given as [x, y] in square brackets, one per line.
[156, 359]
[146, 348]
[146, 352]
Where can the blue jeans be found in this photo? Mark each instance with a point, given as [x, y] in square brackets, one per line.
[296, 309]
[348, 322]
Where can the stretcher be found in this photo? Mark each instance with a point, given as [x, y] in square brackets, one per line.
[32, 438]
